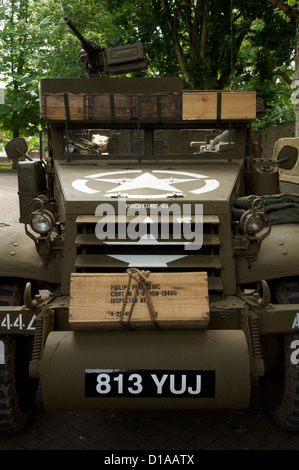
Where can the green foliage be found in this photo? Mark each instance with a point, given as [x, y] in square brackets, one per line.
[277, 115]
[18, 40]
[266, 65]
[199, 41]
[59, 54]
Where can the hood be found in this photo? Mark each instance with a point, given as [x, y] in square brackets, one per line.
[201, 195]
[84, 186]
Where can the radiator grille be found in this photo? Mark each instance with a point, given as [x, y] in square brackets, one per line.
[152, 252]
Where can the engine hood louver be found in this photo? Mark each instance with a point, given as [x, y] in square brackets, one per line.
[150, 251]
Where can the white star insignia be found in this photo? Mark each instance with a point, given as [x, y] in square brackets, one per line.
[158, 261]
[144, 181]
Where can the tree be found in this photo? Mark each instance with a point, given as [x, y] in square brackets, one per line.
[201, 40]
[59, 54]
[266, 65]
[18, 40]
[35, 43]
[206, 42]
[201, 35]
[290, 8]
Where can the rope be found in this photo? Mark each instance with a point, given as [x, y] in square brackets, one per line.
[142, 279]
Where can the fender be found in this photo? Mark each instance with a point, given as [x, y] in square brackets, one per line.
[19, 257]
[278, 256]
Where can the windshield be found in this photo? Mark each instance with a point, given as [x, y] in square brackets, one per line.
[102, 141]
[131, 142]
[192, 141]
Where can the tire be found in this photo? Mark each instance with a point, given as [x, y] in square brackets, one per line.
[280, 383]
[18, 391]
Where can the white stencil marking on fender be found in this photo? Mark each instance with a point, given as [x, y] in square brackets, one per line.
[2, 356]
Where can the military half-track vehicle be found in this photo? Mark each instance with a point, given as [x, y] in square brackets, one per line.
[156, 263]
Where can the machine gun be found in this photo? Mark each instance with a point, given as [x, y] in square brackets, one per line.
[111, 60]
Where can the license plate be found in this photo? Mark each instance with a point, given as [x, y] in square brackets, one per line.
[149, 383]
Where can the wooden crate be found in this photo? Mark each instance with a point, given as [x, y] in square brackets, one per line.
[238, 105]
[112, 106]
[193, 105]
[180, 299]
[213, 105]
[199, 105]
[57, 106]
[159, 107]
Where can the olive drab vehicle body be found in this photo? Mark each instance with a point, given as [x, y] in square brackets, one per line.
[156, 262]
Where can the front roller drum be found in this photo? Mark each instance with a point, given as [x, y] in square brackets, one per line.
[146, 370]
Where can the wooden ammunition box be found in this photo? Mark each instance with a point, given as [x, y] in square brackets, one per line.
[189, 105]
[65, 106]
[112, 106]
[180, 300]
[222, 105]
[159, 107]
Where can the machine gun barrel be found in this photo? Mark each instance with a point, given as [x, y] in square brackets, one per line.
[90, 48]
[111, 60]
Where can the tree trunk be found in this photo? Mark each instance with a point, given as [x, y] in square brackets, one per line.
[15, 133]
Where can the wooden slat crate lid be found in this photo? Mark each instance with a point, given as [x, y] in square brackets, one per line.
[159, 106]
[65, 106]
[219, 105]
[74, 107]
[111, 106]
[188, 105]
[179, 299]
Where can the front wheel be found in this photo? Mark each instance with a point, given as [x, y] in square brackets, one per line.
[280, 384]
[17, 390]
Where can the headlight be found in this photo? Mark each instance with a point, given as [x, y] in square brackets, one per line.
[254, 223]
[41, 223]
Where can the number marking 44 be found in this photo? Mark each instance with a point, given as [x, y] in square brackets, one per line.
[12, 322]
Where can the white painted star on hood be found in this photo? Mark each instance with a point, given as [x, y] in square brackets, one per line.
[146, 180]
[157, 261]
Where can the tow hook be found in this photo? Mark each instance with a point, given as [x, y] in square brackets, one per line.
[266, 299]
[28, 301]
[262, 301]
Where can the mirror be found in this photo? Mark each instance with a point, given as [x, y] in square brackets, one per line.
[287, 157]
[16, 148]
